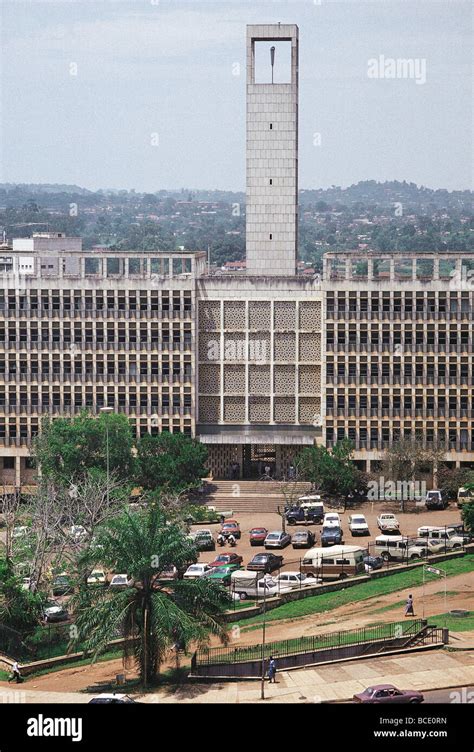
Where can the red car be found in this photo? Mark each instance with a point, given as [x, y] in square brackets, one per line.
[388, 694]
[258, 535]
[224, 559]
[230, 527]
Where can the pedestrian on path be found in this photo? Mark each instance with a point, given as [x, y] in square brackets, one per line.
[409, 608]
[272, 669]
[15, 674]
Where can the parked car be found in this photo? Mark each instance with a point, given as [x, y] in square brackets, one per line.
[196, 570]
[97, 577]
[387, 523]
[373, 562]
[231, 527]
[265, 563]
[387, 693]
[111, 699]
[309, 514]
[120, 582]
[331, 536]
[225, 559]
[358, 525]
[465, 496]
[462, 533]
[53, 612]
[436, 500]
[331, 519]
[303, 539]
[204, 541]
[169, 572]
[222, 574]
[398, 548]
[62, 584]
[339, 562]
[445, 535]
[257, 536]
[277, 539]
[295, 580]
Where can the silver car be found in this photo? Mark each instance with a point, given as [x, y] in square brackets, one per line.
[277, 539]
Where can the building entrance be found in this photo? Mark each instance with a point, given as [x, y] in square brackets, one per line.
[258, 457]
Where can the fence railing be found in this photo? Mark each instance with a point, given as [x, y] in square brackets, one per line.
[283, 648]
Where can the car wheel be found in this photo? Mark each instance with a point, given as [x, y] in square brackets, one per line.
[343, 576]
[414, 701]
[242, 596]
[386, 556]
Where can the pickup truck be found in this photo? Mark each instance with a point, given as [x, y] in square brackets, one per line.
[309, 515]
[388, 523]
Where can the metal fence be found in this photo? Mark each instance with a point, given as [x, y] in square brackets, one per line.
[391, 559]
[42, 642]
[312, 643]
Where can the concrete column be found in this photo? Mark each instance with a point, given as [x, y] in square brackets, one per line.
[17, 471]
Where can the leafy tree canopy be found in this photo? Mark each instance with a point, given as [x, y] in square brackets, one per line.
[331, 471]
[171, 462]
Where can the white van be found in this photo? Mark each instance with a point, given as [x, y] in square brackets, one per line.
[398, 548]
[445, 535]
[338, 562]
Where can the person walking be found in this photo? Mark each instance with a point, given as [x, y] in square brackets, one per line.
[272, 669]
[15, 674]
[409, 608]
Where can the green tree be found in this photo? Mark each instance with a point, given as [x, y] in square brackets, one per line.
[67, 448]
[331, 471]
[171, 462]
[152, 615]
[19, 609]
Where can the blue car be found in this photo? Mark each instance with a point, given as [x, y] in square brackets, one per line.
[331, 536]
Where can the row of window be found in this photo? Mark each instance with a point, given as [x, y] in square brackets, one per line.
[81, 300]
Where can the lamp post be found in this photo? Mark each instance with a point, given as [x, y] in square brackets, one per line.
[107, 411]
[262, 687]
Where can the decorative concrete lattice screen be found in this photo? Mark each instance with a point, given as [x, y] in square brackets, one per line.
[284, 410]
[234, 409]
[209, 347]
[284, 379]
[260, 315]
[310, 410]
[259, 380]
[234, 379]
[221, 456]
[259, 409]
[209, 409]
[285, 347]
[308, 380]
[310, 315]
[210, 379]
[308, 347]
[235, 347]
[209, 315]
[234, 314]
[284, 315]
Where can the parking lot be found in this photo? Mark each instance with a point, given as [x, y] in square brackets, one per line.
[409, 523]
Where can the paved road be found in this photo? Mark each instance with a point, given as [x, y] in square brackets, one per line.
[448, 696]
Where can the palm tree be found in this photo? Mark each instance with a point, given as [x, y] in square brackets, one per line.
[150, 614]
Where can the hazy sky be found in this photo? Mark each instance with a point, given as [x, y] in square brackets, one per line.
[148, 94]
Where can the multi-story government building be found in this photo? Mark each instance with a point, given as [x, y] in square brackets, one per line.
[255, 365]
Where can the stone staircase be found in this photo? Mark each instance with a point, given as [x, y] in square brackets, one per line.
[252, 495]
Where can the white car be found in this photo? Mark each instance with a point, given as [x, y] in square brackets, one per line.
[295, 580]
[120, 581]
[388, 523]
[358, 525]
[97, 577]
[195, 571]
[332, 519]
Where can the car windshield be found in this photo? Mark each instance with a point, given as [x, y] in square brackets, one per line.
[221, 570]
[260, 557]
[195, 568]
[228, 525]
[273, 536]
[359, 520]
[258, 530]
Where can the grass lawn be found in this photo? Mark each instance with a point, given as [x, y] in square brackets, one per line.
[454, 623]
[317, 604]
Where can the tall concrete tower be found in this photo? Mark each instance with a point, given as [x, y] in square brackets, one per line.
[272, 159]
